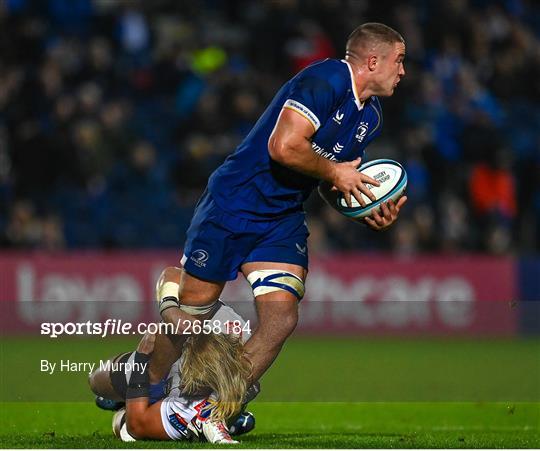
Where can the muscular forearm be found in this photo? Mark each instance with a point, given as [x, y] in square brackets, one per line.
[290, 145]
[137, 395]
[177, 317]
[295, 152]
[142, 419]
[167, 350]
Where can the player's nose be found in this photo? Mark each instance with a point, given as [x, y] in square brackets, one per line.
[401, 70]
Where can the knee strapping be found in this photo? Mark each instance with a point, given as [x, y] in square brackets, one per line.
[269, 280]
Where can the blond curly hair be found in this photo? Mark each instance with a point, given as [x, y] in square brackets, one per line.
[216, 363]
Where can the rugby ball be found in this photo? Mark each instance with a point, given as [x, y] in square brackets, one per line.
[393, 181]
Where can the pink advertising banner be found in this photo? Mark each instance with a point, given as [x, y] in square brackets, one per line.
[346, 293]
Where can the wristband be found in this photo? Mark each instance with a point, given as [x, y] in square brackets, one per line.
[167, 289]
[168, 302]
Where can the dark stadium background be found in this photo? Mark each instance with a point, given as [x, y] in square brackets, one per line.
[114, 113]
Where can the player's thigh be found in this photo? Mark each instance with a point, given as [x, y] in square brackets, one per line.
[283, 244]
[276, 267]
[198, 292]
[216, 245]
[167, 349]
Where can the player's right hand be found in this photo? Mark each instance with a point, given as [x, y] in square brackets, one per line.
[350, 182]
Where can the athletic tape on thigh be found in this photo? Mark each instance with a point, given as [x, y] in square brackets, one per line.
[269, 280]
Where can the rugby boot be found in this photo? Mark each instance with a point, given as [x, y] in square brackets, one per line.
[244, 423]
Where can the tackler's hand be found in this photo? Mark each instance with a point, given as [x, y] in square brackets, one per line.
[146, 345]
[387, 216]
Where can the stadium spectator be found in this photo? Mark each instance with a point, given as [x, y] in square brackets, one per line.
[82, 81]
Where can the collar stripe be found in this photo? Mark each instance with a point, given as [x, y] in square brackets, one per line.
[357, 101]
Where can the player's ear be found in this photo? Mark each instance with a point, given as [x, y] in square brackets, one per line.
[372, 62]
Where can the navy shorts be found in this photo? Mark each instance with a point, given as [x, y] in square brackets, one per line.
[218, 243]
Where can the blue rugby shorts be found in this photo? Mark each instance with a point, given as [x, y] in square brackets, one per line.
[218, 243]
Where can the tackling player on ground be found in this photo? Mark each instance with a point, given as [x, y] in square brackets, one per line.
[168, 398]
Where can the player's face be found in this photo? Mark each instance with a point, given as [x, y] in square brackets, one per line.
[390, 69]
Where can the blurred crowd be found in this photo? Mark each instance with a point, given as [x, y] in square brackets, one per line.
[113, 113]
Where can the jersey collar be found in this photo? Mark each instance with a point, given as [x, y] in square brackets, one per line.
[357, 101]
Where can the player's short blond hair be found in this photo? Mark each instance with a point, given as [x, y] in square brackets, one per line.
[215, 363]
[370, 34]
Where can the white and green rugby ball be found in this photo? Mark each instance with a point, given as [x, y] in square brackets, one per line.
[393, 181]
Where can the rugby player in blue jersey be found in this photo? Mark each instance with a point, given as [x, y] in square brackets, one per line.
[250, 219]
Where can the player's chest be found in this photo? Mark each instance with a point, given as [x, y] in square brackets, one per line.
[346, 133]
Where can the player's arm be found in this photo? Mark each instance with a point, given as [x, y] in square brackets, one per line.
[143, 420]
[290, 146]
[167, 289]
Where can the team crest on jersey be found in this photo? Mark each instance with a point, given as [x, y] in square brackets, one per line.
[361, 132]
[199, 257]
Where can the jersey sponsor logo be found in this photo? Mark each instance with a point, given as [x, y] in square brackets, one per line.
[301, 249]
[178, 423]
[322, 152]
[199, 257]
[337, 148]
[338, 117]
[361, 132]
[304, 111]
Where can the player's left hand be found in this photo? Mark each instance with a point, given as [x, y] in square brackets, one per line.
[388, 214]
[146, 345]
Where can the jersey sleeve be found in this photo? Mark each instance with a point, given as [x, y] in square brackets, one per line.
[314, 93]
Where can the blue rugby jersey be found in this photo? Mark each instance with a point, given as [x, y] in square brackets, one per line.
[249, 184]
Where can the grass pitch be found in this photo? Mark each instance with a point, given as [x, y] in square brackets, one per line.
[298, 425]
[321, 393]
